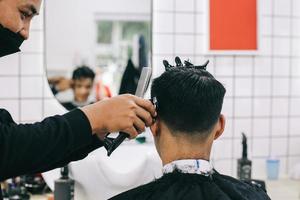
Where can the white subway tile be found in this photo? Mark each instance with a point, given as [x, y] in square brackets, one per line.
[9, 65]
[201, 6]
[9, 87]
[296, 8]
[278, 147]
[295, 106]
[295, 47]
[31, 110]
[294, 146]
[281, 46]
[243, 87]
[200, 47]
[280, 86]
[242, 107]
[261, 127]
[294, 126]
[280, 107]
[281, 26]
[184, 44]
[295, 67]
[293, 161]
[262, 66]
[295, 90]
[163, 44]
[201, 24]
[282, 7]
[243, 66]
[262, 107]
[185, 5]
[165, 5]
[184, 23]
[261, 146]
[296, 26]
[224, 66]
[281, 67]
[280, 126]
[262, 86]
[32, 87]
[163, 23]
[32, 64]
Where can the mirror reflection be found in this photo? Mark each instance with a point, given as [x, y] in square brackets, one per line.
[95, 50]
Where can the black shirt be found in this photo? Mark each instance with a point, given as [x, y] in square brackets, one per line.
[42, 146]
[179, 186]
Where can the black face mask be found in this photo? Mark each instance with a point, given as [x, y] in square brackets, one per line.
[10, 42]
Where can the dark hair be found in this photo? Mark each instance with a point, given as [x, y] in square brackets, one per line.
[83, 72]
[189, 100]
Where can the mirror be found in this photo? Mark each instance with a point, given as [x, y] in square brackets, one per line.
[95, 49]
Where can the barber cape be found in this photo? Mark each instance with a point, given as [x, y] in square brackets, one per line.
[194, 180]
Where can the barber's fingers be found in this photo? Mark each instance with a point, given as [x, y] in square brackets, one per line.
[146, 104]
[144, 115]
[132, 132]
[139, 125]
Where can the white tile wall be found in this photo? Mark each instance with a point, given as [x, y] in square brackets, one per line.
[184, 23]
[263, 90]
[261, 127]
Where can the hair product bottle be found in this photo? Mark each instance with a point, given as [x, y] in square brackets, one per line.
[64, 186]
[244, 165]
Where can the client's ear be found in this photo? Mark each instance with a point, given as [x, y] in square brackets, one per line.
[155, 128]
[220, 126]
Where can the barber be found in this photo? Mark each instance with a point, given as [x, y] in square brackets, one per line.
[58, 140]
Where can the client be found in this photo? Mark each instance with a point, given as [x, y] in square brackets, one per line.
[189, 103]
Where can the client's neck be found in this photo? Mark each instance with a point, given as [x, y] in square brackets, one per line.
[179, 148]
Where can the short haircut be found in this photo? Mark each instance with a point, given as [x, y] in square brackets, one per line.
[83, 72]
[189, 100]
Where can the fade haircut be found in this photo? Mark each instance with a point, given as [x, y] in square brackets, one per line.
[189, 99]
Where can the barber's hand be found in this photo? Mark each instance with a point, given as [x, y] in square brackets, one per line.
[61, 83]
[126, 113]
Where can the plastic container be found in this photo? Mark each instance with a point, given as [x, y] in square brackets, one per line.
[273, 165]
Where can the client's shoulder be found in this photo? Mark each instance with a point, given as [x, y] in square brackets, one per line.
[234, 187]
[141, 192]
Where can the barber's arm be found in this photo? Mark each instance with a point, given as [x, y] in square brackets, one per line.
[54, 142]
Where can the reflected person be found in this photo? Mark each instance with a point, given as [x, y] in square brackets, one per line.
[82, 86]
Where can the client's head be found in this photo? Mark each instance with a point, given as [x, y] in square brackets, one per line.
[189, 116]
[83, 79]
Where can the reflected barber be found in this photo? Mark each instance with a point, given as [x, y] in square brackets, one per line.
[58, 140]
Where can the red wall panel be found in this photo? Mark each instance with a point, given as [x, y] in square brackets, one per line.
[233, 25]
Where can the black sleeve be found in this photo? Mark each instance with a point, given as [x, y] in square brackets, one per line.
[39, 147]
